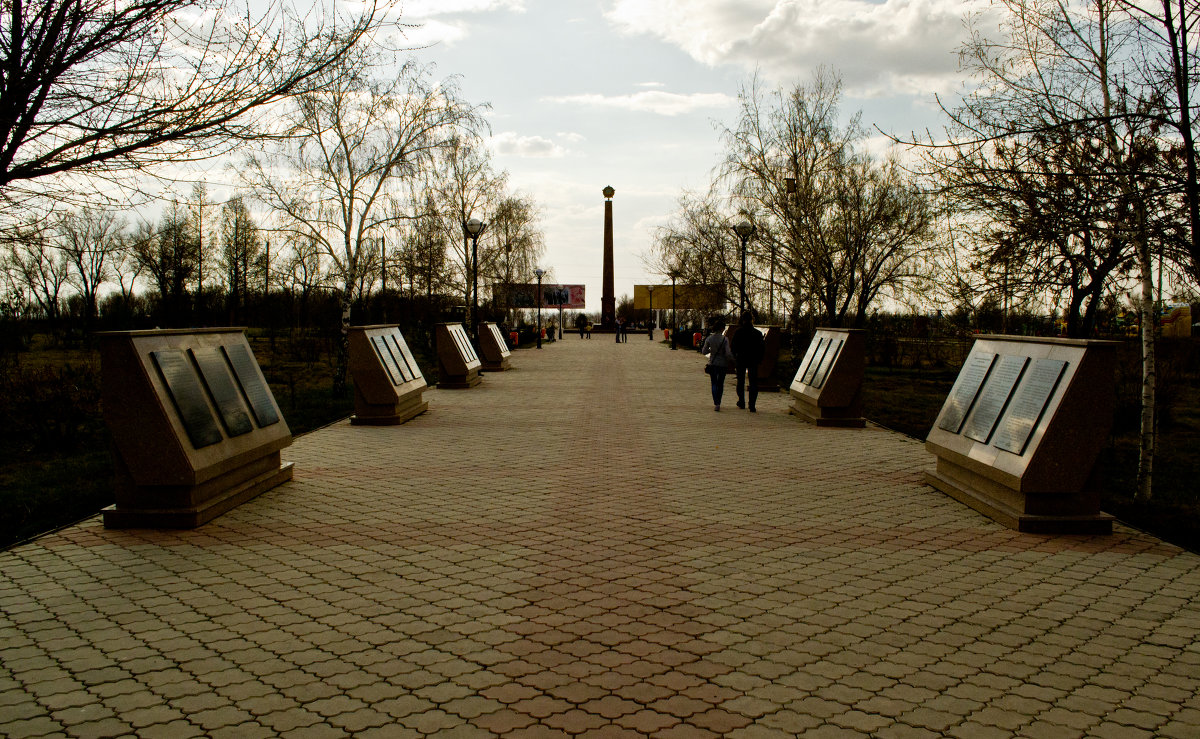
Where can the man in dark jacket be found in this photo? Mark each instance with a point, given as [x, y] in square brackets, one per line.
[748, 348]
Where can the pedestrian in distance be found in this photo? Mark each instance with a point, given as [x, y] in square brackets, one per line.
[581, 324]
[720, 359]
[748, 348]
[617, 331]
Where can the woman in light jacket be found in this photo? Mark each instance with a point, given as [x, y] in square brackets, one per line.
[720, 361]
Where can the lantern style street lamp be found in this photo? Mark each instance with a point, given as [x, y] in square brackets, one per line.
[472, 230]
[745, 229]
[539, 272]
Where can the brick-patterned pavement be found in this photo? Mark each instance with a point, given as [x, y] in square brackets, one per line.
[582, 546]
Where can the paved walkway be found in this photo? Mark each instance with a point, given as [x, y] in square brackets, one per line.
[582, 546]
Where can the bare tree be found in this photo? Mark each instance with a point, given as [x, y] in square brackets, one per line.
[466, 187]
[354, 140]
[852, 228]
[38, 266]
[90, 239]
[514, 241]
[241, 253]
[101, 88]
[168, 254]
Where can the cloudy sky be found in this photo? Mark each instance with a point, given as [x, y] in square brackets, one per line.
[589, 93]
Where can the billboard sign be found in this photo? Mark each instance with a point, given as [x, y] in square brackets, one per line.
[566, 297]
[687, 297]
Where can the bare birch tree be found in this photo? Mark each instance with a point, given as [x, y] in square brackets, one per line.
[353, 141]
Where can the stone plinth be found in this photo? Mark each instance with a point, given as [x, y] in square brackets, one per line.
[493, 349]
[458, 365]
[195, 428]
[827, 388]
[388, 384]
[1020, 433]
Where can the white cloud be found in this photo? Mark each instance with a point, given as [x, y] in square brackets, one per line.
[427, 33]
[880, 48]
[571, 136]
[537, 147]
[651, 101]
[427, 8]
[649, 84]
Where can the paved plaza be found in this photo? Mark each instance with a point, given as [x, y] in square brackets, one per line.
[581, 546]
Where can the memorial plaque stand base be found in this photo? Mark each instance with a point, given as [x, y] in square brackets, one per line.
[1033, 513]
[460, 382]
[190, 506]
[806, 409]
[500, 366]
[391, 414]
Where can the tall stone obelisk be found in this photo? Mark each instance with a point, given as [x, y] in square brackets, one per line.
[608, 301]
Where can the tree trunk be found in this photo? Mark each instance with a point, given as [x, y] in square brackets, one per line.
[1146, 446]
[343, 349]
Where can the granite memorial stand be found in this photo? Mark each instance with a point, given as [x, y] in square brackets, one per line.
[195, 429]
[1019, 436]
[458, 365]
[493, 349]
[827, 389]
[388, 384]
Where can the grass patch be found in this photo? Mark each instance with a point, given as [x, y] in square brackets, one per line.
[906, 400]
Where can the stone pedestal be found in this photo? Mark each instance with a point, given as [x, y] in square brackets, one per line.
[458, 365]
[827, 388]
[493, 349]
[1019, 435]
[195, 428]
[388, 384]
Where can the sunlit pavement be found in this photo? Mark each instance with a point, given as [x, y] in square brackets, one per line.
[582, 546]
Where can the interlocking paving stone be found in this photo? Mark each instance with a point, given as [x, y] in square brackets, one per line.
[581, 546]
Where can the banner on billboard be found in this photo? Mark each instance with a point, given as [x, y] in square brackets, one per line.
[567, 297]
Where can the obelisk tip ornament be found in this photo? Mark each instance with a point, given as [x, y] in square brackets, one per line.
[608, 301]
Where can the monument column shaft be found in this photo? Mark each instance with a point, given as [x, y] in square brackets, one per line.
[608, 301]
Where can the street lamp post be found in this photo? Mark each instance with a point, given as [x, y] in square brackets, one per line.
[561, 296]
[674, 324]
[745, 229]
[539, 272]
[471, 230]
[653, 317]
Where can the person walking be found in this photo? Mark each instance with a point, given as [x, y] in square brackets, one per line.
[748, 348]
[720, 357]
[617, 330]
[581, 324]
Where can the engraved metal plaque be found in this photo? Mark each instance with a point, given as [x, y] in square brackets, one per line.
[1028, 404]
[399, 344]
[188, 397]
[500, 342]
[463, 343]
[808, 358]
[253, 387]
[826, 366]
[994, 396]
[214, 370]
[384, 352]
[818, 355]
[966, 388]
[401, 362]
